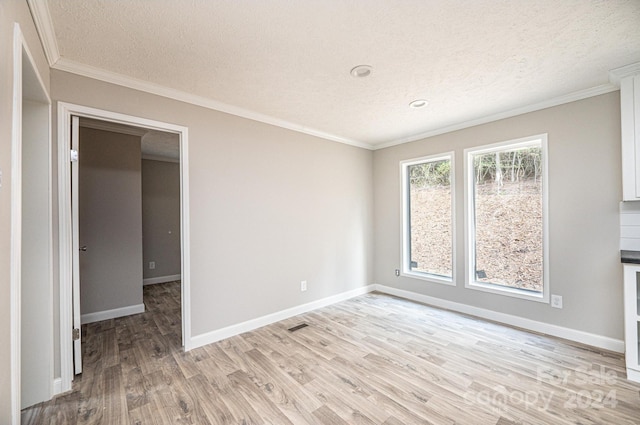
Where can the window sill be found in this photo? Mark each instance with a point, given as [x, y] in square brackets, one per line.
[509, 292]
[429, 277]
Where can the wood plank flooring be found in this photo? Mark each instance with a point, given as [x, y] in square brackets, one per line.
[374, 359]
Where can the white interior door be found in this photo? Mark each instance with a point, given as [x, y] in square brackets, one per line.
[75, 246]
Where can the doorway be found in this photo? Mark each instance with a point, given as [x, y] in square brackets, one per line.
[31, 238]
[69, 242]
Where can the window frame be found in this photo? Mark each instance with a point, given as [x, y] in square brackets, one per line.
[470, 228]
[405, 269]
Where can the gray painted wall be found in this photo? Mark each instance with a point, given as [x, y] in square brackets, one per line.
[110, 220]
[36, 303]
[10, 11]
[584, 191]
[269, 207]
[160, 218]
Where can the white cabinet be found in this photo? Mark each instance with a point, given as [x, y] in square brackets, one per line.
[629, 80]
[632, 320]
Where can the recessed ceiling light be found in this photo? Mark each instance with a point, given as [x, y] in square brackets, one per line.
[361, 71]
[419, 103]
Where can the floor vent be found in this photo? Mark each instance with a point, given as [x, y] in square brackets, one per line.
[297, 327]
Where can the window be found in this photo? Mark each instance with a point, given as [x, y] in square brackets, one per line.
[428, 218]
[506, 198]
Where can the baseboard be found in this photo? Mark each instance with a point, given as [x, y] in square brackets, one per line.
[161, 279]
[112, 314]
[57, 386]
[249, 325]
[633, 375]
[594, 340]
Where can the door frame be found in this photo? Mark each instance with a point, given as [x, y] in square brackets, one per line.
[65, 112]
[20, 53]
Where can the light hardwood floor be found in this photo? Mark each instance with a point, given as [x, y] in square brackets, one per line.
[374, 359]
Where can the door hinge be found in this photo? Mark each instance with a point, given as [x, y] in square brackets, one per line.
[73, 155]
[76, 334]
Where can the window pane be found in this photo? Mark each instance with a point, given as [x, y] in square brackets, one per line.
[508, 218]
[430, 217]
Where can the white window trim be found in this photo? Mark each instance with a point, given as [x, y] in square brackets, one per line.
[470, 281]
[405, 269]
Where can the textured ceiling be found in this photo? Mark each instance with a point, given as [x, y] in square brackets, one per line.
[290, 60]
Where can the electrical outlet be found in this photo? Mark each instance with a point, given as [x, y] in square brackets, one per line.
[152, 265]
[303, 286]
[556, 301]
[397, 272]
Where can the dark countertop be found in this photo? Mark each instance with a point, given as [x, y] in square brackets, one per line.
[630, 257]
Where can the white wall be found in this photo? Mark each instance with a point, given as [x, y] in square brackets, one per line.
[584, 192]
[269, 207]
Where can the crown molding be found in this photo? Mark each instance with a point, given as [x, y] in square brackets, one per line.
[133, 83]
[44, 26]
[110, 77]
[560, 100]
[615, 75]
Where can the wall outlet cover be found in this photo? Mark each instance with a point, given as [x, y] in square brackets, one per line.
[556, 301]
